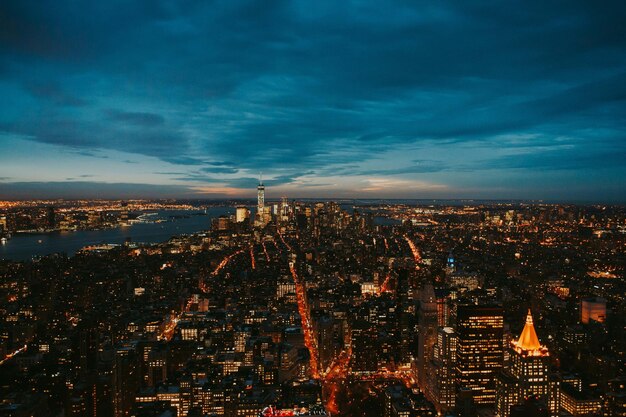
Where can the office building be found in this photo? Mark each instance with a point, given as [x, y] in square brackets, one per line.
[479, 350]
[526, 374]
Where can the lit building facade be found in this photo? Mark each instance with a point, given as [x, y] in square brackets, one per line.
[593, 309]
[526, 374]
[479, 350]
[441, 389]
[242, 214]
[427, 319]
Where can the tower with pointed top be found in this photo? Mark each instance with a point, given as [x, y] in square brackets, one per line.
[527, 372]
[260, 205]
[260, 193]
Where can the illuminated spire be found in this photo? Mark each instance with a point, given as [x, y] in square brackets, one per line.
[528, 340]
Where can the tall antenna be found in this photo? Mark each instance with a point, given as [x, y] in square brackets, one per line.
[261, 178]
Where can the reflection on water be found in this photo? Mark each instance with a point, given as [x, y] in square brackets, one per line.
[23, 247]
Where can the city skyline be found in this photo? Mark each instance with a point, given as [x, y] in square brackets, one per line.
[351, 100]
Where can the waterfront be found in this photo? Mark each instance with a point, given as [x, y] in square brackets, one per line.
[25, 246]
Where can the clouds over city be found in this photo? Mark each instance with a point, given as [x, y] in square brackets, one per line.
[406, 99]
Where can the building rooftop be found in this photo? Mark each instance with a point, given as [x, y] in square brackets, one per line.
[528, 342]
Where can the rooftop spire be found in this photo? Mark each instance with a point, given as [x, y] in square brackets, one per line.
[528, 340]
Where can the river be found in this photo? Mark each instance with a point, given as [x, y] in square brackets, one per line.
[24, 246]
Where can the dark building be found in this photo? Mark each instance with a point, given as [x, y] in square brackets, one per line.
[427, 321]
[479, 350]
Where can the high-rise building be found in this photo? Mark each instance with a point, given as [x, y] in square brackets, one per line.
[284, 210]
[263, 214]
[443, 308]
[126, 380]
[363, 341]
[223, 223]
[615, 400]
[526, 373]
[593, 309]
[479, 350]
[3, 223]
[242, 214]
[260, 206]
[427, 322]
[324, 327]
[441, 378]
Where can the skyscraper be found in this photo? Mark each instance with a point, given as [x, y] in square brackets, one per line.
[593, 309]
[479, 350]
[242, 214]
[441, 378]
[527, 373]
[126, 380]
[260, 197]
[427, 321]
[259, 220]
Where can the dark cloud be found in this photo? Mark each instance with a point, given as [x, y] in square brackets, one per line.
[85, 135]
[184, 160]
[91, 154]
[219, 170]
[568, 159]
[53, 93]
[136, 118]
[87, 189]
[291, 86]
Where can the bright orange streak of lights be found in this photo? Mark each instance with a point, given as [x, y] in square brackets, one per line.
[267, 255]
[225, 262]
[168, 332]
[331, 400]
[386, 244]
[10, 355]
[338, 371]
[284, 243]
[309, 340]
[252, 257]
[385, 286]
[416, 253]
[202, 286]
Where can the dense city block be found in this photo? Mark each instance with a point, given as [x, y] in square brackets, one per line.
[341, 308]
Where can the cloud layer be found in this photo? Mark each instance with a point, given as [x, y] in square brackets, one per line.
[421, 99]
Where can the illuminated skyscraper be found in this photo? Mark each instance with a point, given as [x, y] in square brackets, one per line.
[242, 214]
[527, 373]
[427, 321]
[260, 192]
[593, 309]
[441, 378]
[479, 350]
[260, 217]
[126, 380]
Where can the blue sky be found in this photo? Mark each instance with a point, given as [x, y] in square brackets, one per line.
[406, 99]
